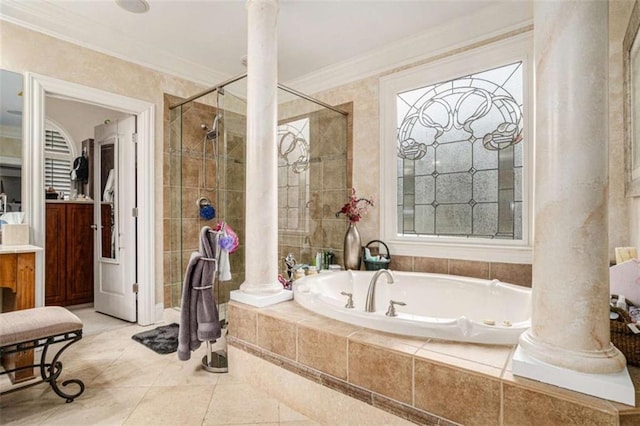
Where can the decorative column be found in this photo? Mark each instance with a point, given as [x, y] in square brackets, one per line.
[261, 286]
[568, 343]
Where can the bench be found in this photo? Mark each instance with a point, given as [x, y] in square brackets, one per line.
[28, 329]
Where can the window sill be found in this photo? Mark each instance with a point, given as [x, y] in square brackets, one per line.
[504, 253]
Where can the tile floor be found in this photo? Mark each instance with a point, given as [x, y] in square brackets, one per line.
[128, 384]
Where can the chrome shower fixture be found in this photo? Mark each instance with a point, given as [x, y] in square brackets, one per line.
[212, 133]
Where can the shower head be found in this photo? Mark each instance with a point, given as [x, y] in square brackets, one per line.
[212, 133]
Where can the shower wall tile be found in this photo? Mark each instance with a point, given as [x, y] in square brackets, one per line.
[166, 294]
[166, 235]
[457, 395]
[277, 336]
[176, 271]
[469, 268]
[381, 370]
[189, 207]
[335, 173]
[332, 202]
[512, 273]
[208, 179]
[175, 198]
[334, 234]
[176, 294]
[190, 234]
[191, 168]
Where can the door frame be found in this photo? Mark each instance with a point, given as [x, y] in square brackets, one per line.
[36, 88]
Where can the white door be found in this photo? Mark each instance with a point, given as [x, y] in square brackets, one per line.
[115, 231]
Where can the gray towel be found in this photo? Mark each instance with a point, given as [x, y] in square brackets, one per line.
[198, 314]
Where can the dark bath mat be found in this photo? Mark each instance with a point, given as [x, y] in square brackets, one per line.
[162, 340]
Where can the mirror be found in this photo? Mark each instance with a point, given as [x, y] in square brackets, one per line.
[631, 48]
[108, 175]
[10, 141]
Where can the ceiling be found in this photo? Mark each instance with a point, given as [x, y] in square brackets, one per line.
[205, 41]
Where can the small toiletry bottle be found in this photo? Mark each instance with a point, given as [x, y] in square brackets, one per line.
[331, 258]
[312, 270]
[319, 258]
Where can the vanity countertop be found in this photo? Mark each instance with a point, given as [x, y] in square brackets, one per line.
[26, 248]
[76, 201]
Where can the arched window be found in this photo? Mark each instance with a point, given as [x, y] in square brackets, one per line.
[59, 153]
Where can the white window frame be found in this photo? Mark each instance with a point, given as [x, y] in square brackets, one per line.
[508, 51]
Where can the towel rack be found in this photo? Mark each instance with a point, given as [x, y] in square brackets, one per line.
[217, 363]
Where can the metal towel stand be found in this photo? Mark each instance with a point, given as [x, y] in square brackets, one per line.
[215, 362]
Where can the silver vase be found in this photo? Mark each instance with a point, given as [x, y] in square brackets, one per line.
[352, 247]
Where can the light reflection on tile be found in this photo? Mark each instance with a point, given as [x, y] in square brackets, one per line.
[126, 383]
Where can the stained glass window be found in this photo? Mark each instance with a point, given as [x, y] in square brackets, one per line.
[293, 169]
[460, 157]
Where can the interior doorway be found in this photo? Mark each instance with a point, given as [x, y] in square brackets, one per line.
[37, 88]
[90, 256]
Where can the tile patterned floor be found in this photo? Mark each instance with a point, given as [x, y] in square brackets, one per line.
[128, 384]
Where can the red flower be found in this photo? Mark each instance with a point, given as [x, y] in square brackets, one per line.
[356, 207]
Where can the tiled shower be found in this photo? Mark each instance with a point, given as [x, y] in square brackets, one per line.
[314, 178]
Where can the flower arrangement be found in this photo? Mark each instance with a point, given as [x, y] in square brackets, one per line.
[355, 207]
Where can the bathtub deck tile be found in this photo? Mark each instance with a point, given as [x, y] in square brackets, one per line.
[493, 355]
[510, 381]
[329, 325]
[381, 370]
[523, 406]
[277, 335]
[458, 363]
[289, 311]
[458, 395]
[404, 344]
[243, 321]
[323, 351]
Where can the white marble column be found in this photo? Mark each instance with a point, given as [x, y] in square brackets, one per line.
[261, 245]
[570, 322]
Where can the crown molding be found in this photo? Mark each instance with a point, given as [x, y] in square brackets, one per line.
[37, 16]
[490, 22]
[446, 38]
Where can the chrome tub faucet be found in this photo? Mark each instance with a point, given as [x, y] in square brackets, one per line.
[370, 305]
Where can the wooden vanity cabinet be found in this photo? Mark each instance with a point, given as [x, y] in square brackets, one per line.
[69, 254]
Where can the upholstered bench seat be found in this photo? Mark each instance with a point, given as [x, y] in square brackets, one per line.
[27, 329]
[37, 323]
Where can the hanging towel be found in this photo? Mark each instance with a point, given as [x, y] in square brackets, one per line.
[198, 314]
[224, 273]
[227, 243]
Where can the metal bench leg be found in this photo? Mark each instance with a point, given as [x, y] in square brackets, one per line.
[51, 371]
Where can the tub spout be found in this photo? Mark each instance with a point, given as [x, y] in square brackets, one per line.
[370, 305]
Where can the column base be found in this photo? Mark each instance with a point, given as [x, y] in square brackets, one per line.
[612, 386]
[261, 300]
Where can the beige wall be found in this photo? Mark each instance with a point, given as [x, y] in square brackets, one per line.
[29, 51]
